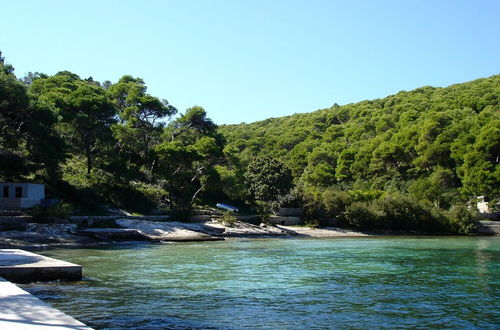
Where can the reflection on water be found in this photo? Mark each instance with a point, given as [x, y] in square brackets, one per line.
[483, 263]
[450, 282]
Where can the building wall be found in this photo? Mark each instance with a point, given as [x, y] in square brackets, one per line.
[36, 191]
[10, 203]
[483, 207]
[32, 194]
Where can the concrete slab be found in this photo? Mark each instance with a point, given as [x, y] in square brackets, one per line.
[21, 266]
[21, 310]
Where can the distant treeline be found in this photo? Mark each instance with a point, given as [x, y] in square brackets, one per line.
[420, 155]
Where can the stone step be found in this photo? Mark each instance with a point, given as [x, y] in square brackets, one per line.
[10, 213]
[14, 222]
[21, 266]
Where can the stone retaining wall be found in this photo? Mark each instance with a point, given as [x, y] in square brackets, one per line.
[285, 221]
[488, 227]
[14, 222]
[290, 211]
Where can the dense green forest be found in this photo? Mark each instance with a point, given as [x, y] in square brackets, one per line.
[96, 144]
[430, 149]
[410, 161]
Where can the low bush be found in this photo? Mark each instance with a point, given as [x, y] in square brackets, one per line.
[402, 212]
[313, 223]
[313, 207]
[42, 214]
[293, 199]
[375, 209]
[264, 210]
[365, 195]
[334, 204]
[461, 220]
[228, 219]
[130, 198]
[362, 215]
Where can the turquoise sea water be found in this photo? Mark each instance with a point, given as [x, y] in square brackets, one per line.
[450, 282]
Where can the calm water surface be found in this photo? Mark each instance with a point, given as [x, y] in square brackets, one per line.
[450, 282]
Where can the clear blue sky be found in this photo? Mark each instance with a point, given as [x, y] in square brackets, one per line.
[249, 60]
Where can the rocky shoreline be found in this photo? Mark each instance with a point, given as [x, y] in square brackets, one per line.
[130, 229]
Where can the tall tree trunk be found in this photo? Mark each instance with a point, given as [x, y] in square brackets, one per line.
[196, 193]
[88, 151]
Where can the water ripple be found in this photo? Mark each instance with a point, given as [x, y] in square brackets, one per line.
[285, 284]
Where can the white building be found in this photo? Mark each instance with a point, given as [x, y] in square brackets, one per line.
[482, 205]
[20, 195]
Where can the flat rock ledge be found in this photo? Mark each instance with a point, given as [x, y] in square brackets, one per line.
[167, 231]
[42, 235]
[327, 232]
[172, 231]
[137, 234]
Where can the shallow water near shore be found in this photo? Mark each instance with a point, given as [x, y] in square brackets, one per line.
[451, 282]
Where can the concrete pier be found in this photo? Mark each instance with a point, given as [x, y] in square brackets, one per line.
[21, 310]
[21, 266]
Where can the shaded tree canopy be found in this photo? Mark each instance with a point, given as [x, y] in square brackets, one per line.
[268, 178]
[190, 150]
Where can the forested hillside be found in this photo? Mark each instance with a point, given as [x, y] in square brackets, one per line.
[409, 161]
[436, 145]
[409, 141]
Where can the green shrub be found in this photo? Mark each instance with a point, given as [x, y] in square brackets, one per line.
[374, 209]
[312, 223]
[227, 219]
[152, 193]
[461, 219]
[39, 214]
[130, 198]
[263, 210]
[313, 206]
[42, 214]
[335, 203]
[365, 195]
[362, 215]
[295, 198]
[61, 211]
[402, 212]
